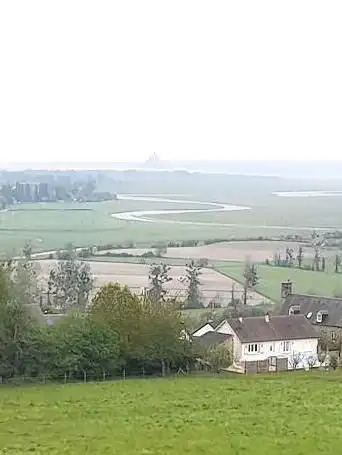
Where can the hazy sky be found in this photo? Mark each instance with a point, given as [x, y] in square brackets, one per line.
[118, 80]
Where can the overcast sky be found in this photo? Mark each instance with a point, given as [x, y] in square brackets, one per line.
[119, 80]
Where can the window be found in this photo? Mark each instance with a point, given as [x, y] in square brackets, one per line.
[294, 309]
[253, 347]
[286, 346]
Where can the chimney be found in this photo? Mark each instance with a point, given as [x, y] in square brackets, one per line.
[267, 317]
[286, 289]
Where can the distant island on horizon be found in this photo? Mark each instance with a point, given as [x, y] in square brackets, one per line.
[288, 169]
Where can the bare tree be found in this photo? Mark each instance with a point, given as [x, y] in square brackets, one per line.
[337, 262]
[300, 257]
[296, 359]
[289, 256]
[323, 264]
[311, 361]
[158, 277]
[193, 298]
[317, 259]
[250, 279]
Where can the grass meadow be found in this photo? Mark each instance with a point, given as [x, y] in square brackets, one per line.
[287, 414]
[305, 281]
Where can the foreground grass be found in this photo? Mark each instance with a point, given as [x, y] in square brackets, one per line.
[305, 282]
[288, 414]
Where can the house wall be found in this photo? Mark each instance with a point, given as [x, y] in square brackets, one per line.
[303, 348]
[235, 342]
[203, 330]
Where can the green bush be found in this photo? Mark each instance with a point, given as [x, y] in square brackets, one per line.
[333, 362]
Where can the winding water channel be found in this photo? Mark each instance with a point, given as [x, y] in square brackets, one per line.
[145, 215]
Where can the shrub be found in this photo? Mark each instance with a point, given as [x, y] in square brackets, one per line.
[189, 243]
[148, 254]
[84, 253]
[333, 362]
[160, 250]
[203, 262]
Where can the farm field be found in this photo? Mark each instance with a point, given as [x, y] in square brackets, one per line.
[304, 281]
[282, 414]
[135, 276]
[256, 251]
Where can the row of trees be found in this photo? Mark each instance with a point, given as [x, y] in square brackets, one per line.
[70, 283]
[296, 258]
[51, 192]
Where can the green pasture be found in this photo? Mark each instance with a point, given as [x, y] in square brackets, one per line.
[286, 414]
[306, 282]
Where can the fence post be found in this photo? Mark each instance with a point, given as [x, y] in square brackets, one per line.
[143, 371]
[104, 375]
[124, 373]
[65, 377]
[84, 376]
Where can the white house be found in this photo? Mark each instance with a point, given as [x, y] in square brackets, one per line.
[287, 340]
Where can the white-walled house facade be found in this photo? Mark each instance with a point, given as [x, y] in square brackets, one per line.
[272, 338]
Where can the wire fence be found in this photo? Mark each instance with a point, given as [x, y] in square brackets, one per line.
[85, 377]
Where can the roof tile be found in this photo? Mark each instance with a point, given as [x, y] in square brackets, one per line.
[257, 329]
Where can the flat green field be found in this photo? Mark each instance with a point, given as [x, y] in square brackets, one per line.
[51, 226]
[289, 414]
[270, 211]
[305, 282]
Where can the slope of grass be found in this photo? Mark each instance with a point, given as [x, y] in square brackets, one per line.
[307, 282]
[291, 414]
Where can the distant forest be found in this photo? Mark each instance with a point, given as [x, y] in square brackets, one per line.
[48, 188]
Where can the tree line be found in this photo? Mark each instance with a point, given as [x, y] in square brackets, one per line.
[295, 258]
[110, 333]
[27, 192]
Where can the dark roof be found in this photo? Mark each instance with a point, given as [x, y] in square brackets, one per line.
[257, 329]
[211, 338]
[313, 304]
